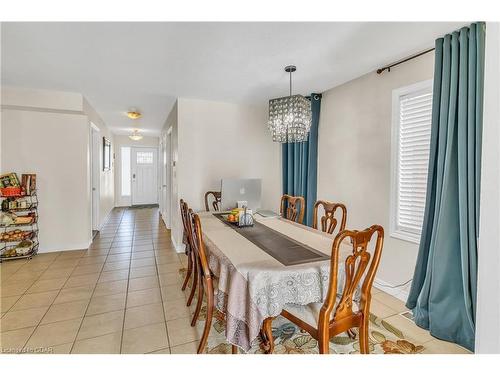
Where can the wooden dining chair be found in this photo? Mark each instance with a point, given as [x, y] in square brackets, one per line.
[334, 316]
[293, 208]
[192, 268]
[328, 221]
[186, 246]
[204, 277]
[217, 195]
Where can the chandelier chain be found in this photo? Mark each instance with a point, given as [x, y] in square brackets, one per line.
[290, 116]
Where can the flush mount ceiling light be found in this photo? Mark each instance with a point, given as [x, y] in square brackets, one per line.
[290, 116]
[135, 136]
[134, 115]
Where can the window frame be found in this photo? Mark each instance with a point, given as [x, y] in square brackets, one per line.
[394, 231]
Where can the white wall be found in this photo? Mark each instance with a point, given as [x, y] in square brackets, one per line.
[221, 140]
[354, 157]
[124, 141]
[1, 168]
[48, 133]
[488, 293]
[42, 99]
[171, 125]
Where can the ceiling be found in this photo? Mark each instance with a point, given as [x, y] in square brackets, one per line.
[118, 66]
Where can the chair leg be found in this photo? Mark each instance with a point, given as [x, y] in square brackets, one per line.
[195, 281]
[267, 334]
[234, 349]
[199, 303]
[324, 344]
[208, 321]
[351, 333]
[364, 340]
[189, 271]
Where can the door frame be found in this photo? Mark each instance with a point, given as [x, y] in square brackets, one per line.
[155, 168]
[163, 185]
[166, 171]
[95, 176]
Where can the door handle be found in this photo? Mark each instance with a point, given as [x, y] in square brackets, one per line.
[133, 176]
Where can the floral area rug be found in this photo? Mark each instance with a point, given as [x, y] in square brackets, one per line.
[290, 339]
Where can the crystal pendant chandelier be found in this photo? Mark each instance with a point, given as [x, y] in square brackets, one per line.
[290, 116]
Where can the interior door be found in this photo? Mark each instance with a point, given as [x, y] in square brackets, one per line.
[95, 173]
[144, 180]
[170, 186]
[164, 180]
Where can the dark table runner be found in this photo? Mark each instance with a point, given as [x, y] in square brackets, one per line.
[284, 249]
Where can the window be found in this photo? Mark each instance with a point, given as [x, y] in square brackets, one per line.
[412, 113]
[145, 157]
[125, 170]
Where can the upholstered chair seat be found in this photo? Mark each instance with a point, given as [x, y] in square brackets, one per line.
[310, 313]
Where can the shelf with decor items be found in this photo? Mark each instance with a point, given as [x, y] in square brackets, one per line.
[18, 217]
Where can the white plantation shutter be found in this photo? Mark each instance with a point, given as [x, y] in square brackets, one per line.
[413, 139]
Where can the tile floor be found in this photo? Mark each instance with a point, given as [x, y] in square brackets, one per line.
[122, 295]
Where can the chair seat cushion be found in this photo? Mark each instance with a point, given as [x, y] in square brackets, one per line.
[310, 313]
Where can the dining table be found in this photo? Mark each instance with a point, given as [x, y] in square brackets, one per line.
[262, 268]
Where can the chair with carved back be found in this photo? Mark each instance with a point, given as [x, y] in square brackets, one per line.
[204, 277]
[205, 280]
[334, 316]
[328, 221]
[293, 208]
[215, 202]
[192, 268]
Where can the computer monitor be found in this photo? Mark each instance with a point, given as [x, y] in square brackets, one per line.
[241, 189]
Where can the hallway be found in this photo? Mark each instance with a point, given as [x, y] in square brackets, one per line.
[111, 298]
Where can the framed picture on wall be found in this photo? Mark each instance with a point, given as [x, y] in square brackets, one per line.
[106, 154]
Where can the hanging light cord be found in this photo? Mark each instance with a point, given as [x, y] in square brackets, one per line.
[290, 83]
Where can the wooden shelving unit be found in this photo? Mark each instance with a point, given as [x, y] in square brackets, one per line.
[25, 231]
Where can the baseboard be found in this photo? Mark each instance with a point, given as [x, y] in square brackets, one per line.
[164, 222]
[400, 292]
[66, 248]
[103, 222]
[178, 247]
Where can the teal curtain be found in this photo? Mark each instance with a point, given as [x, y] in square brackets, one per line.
[300, 163]
[443, 292]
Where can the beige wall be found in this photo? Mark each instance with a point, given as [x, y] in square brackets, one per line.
[218, 140]
[48, 133]
[224, 140]
[354, 156]
[54, 146]
[42, 99]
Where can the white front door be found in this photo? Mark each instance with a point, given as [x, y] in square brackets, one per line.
[144, 171]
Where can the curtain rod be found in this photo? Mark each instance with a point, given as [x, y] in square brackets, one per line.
[388, 67]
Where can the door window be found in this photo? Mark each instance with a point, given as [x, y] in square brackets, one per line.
[144, 157]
